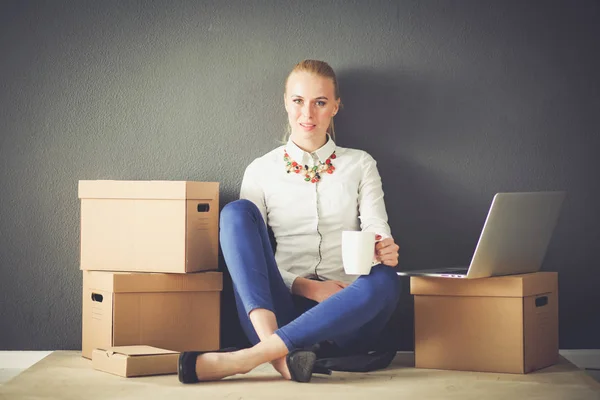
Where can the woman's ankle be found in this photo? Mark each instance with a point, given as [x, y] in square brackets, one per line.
[245, 361]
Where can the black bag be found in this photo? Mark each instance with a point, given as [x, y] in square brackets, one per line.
[371, 361]
[329, 356]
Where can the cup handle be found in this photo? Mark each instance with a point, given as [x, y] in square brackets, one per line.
[375, 262]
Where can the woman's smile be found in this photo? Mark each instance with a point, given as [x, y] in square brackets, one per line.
[308, 127]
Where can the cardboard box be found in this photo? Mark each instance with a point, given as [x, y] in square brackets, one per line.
[499, 324]
[149, 226]
[176, 312]
[128, 361]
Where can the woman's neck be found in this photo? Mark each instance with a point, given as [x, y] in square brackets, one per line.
[309, 144]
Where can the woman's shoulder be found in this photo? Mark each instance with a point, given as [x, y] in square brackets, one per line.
[267, 160]
[357, 155]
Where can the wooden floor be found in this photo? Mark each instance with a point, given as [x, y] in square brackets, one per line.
[65, 375]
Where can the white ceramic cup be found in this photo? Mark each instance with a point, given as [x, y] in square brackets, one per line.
[358, 252]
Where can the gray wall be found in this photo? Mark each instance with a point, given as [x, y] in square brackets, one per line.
[455, 99]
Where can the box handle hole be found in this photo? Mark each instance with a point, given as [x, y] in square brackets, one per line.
[541, 301]
[203, 207]
[97, 297]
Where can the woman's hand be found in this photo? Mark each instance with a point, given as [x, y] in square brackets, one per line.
[316, 290]
[386, 251]
[325, 289]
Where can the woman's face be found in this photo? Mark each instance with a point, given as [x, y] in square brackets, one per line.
[310, 103]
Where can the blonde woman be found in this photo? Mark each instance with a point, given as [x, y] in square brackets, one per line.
[307, 191]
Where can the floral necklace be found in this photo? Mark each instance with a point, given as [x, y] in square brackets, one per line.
[312, 174]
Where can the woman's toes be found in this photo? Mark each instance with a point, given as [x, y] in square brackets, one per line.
[281, 366]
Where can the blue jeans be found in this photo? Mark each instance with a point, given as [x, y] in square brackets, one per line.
[353, 315]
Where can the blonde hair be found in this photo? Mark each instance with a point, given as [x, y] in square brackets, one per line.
[319, 68]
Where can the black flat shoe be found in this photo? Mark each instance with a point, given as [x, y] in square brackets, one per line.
[301, 364]
[187, 364]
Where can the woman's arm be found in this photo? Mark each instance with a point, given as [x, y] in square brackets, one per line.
[371, 207]
[372, 212]
[253, 191]
[316, 290]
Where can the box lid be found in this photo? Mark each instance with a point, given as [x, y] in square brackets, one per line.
[499, 286]
[132, 282]
[156, 190]
[143, 361]
[133, 351]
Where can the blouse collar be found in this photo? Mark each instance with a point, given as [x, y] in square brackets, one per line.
[322, 154]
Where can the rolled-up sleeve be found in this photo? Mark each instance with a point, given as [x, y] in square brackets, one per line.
[372, 213]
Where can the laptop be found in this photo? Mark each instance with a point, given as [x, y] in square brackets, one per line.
[514, 238]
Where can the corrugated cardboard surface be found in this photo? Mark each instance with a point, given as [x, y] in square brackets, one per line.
[540, 331]
[130, 282]
[165, 316]
[128, 361]
[501, 324]
[501, 286]
[149, 226]
[165, 190]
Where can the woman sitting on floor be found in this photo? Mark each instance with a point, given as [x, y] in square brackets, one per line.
[307, 191]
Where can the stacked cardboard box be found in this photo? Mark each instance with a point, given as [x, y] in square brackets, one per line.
[149, 255]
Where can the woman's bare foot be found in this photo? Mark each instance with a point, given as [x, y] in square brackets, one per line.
[281, 366]
[215, 366]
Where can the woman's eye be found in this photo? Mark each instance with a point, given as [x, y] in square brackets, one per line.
[297, 101]
[321, 103]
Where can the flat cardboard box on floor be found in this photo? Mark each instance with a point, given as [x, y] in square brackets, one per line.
[178, 312]
[499, 324]
[129, 361]
[149, 226]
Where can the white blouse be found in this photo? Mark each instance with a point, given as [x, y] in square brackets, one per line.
[307, 218]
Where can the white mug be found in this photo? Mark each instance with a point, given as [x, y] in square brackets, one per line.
[358, 252]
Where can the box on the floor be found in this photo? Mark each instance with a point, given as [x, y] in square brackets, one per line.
[149, 226]
[129, 361]
[176, 312]
[499, 324]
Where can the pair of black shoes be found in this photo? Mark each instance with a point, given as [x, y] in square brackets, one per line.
[301, 364]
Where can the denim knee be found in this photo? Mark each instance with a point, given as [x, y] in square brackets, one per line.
[236, 209]
[385, 282]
